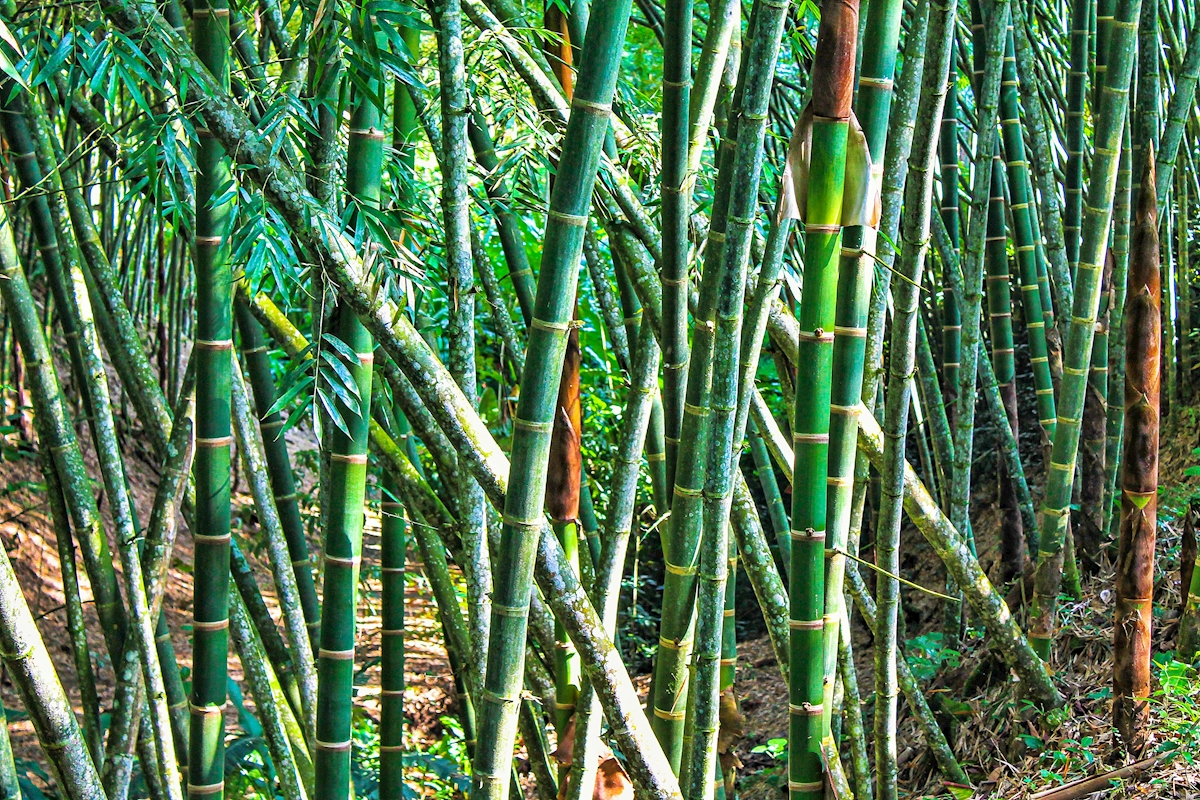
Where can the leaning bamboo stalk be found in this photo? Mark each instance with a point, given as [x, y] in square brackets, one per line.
[914, 695]
[22, 648]
[1139, 475]
[257, 668]
[915, 237]
[255, 467]
[569, 205]
[460, 285]
[1114, 101]
[1179, 111]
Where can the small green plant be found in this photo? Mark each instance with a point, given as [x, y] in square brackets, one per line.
[775, 748]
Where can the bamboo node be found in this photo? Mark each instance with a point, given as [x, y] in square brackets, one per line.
[676, 569]
[816, 228]
[581, 104]
[674, 644]
[204, 789]
[808, 535]
[810, 438]
[336, 655]
[349, 458]
[336, 747]
[811, 786]
[351, 562]
[532, 426]
[552, 327]
[668, 715]
[514, 612]
[205, 711]
[807, 709]
[218, 625]
[818, 335]
[574, 220]
[848, 330]
[201, 538]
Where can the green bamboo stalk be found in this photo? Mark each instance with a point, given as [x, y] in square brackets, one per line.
[1042, 163]
[765, 472]
[507, 224]
[833, 77]
[1025, 235]
[570, 200]
[999, 302]
[279, 468]
[394, 537]
[951, 318]
[856, 269]
[1179, 110]
[1115, 424]
[676, 211]
[915, 238]
[1077, 89]
[213, 343]
[1110, 123]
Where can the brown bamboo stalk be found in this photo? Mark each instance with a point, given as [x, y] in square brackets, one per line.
[1139, 475]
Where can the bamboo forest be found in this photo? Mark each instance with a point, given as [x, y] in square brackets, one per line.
[599, 399]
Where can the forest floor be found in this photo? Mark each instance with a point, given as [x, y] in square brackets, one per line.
[991, 731]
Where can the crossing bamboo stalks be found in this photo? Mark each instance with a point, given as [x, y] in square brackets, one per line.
[27, 660]
[1110, 122]
[254, 464]
[681, 540]
[832, 85]
[1139, 475]
[279, 467]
